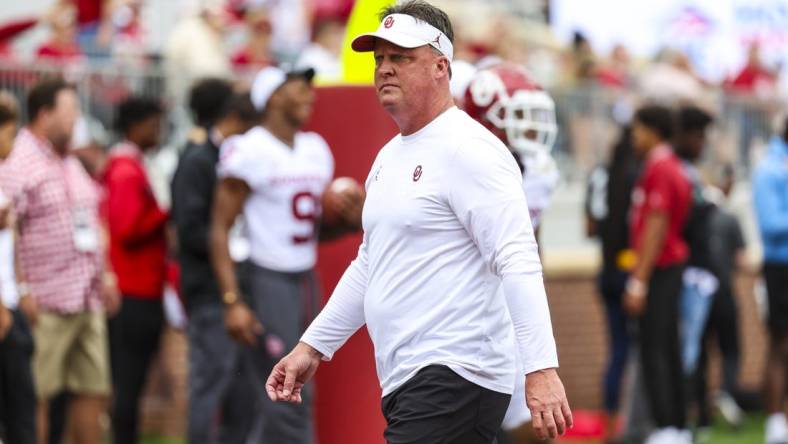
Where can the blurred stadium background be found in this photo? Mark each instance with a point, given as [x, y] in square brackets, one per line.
[597, 59]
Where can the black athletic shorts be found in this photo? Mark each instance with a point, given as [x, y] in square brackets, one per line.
[437, 406]
[776, 277]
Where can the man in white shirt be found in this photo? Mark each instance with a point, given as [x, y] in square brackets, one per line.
[445, 223]
[273, 177]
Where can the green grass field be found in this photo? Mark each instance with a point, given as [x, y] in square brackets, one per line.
[750, 433]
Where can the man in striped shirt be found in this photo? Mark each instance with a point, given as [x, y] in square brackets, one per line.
[61, 259]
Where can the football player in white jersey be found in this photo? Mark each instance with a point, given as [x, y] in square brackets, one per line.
[505, 99]
[273, 177]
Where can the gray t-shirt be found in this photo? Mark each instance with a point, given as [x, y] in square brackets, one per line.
[726, 240]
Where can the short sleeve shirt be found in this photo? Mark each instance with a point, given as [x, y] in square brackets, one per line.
[663, 188]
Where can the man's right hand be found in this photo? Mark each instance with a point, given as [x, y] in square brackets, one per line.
[29, 308]
[289, 376]
[6, 321]
[241, 324]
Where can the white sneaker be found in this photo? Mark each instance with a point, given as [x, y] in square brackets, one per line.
[729, 409]
[667, 435]
[776, 429]
[684, 436]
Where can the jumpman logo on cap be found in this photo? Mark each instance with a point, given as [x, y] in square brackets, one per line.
[437, 40]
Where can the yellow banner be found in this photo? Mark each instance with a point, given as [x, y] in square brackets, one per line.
[358, 68]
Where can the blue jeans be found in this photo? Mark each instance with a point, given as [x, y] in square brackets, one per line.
[697, 293]
[611, 286]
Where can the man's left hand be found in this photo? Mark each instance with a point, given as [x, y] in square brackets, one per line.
[546, 398]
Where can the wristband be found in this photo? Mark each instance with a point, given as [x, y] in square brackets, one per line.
[230, 298]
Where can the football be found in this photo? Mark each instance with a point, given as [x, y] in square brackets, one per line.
[342, 202]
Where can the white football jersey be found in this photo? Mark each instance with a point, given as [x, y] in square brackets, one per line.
[283, 209]
[540, 178]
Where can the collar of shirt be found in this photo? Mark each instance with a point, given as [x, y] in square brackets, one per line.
[661, 151]
[128, 149]
[413, 137]
[43, 145]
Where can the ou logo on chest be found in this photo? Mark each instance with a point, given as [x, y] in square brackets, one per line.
[417, 174]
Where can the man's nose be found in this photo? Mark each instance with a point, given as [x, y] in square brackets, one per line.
[385, 68]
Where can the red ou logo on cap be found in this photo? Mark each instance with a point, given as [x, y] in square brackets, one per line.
[388, 22]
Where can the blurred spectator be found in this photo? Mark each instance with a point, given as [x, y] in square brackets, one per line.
[17, 394]
[138, 252]
[65, 288]
[583, 58]
[62, 47]
[256, 52]
[127, 34]
[218, 386]
[10, 30]
[751, 87]
[754, 77]
[94, 28]
[323, 53]
[660, 204]
[195, 49]
[670, 80]
[728, 252]
[616, 72]
[770, 196]
[701, 276]
[292, 25]
[607, 213]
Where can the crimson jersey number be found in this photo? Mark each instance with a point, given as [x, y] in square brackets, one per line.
[305, 208]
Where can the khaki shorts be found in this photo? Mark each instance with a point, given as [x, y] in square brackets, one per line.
[71, 352]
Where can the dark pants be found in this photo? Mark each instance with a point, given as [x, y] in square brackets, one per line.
[285, 303]
[775, 275]
[17, 394]
[439, 406]
[134, 340]
[660, 348]
[219, 395]
[611, 286]
[722, 324]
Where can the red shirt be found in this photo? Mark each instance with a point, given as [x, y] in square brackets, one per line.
[48, 192]
[245, 59]
[88, 11]
[750, 78]
[59, 53]
[137, 226]
[662, 187]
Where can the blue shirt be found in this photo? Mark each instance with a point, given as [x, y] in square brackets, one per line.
[770, 196]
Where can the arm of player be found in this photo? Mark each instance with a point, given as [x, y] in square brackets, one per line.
[231, 193]
[339, 319]
[486, 195]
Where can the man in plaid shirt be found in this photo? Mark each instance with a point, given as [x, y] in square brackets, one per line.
[63, 285]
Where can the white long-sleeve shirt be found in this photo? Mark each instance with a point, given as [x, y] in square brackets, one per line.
[445, 223]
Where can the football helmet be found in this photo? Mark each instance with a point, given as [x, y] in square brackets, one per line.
[507, 101]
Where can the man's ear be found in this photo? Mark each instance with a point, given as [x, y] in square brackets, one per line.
[443, 69]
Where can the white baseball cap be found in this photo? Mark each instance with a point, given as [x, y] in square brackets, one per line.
[405, 31]
[269, 79]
